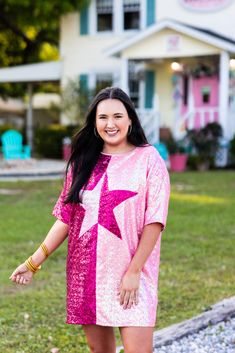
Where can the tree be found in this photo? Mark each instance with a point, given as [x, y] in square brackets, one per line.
[29, 31]
[75, 100]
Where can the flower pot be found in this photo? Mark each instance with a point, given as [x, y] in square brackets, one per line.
[178, 162]
[66, 152]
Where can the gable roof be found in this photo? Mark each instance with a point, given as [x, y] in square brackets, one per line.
[212, 33]
[205, 35]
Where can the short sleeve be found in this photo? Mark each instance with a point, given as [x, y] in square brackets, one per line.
[157, 191]
[61, 210]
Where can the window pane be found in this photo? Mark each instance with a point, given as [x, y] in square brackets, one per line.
[105, 22]
[104, 6]
[103, 81]
[206, 93]
[131, 20]
[104, 10]
[131, 11]
[131, 5]
[134, 91]
[133, 84]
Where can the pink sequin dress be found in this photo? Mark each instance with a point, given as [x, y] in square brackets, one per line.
[125, 192]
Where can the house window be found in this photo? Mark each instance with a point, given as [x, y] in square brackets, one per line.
[104, 9]
[103, 81]
[206, 92]
[134, 91]
[133, 84]
[131, 13]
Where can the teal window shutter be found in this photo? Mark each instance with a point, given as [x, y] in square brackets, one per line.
[150, 12]
[149, 88]
[84, 21]
[83, 81]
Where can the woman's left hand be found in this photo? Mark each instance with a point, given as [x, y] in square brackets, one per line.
[129, 290]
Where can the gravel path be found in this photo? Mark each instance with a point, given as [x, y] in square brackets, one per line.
[219, 338]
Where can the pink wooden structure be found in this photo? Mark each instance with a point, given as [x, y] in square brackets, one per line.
[202, 103]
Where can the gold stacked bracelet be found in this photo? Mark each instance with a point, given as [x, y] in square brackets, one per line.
[29, 263]
[44, 249]
[31, 266]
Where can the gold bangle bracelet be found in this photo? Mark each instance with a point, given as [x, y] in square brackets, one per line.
[36, 268]
[31, 266]
[28, 266]
[44, 249]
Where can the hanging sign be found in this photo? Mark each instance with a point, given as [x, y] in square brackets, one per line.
[173, 42]
[205, 5]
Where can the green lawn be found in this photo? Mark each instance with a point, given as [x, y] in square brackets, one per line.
[197, 260]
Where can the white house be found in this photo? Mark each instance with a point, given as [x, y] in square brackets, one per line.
[174, 58]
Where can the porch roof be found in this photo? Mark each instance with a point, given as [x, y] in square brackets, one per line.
[32, 73]
[39, 72]
[211, 42]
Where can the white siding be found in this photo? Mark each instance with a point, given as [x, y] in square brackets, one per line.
[221, 21]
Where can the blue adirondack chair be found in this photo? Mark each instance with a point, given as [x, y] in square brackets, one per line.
[162, 149]
[12, 146]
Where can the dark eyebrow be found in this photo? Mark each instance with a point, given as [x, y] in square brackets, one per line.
[113, 114]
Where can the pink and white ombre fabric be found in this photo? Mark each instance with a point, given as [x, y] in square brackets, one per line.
[125, 192]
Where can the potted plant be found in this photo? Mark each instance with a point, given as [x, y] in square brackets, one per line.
[232, 151]
[177, 155]
[204, 142]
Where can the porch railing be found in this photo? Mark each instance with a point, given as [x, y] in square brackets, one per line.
[149, 119]
[199, 117]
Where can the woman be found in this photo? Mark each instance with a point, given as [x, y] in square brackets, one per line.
[113, 207]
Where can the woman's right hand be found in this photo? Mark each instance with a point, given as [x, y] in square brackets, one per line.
[22, 275]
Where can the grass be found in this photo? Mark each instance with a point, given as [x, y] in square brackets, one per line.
[197, 260]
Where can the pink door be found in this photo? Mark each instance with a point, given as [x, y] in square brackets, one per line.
[204, 101]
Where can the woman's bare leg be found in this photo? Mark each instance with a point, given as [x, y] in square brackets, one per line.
[101, 339]
[137, 339]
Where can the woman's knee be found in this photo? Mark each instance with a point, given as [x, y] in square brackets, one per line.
[100, 339]
[102, 349]
[137, 339]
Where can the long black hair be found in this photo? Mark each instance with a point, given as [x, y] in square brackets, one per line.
[86, 146]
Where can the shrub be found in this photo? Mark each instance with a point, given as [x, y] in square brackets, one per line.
[205, 142]
[48, 141]
[232, 147]
[174, 146]
[5, 127]
[232, 152]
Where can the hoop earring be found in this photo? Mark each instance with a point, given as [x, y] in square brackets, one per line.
[96, 133]
[129, 130]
